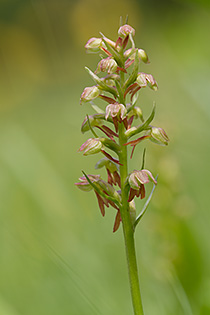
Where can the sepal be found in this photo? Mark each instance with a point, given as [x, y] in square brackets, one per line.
[159, 136]
[91, 146]
[94, 45]
[89, 94]
[144, 79]
[108, 65]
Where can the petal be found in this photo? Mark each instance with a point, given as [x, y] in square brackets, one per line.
[150, 175]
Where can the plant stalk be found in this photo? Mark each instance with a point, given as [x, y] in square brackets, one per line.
[128, 229]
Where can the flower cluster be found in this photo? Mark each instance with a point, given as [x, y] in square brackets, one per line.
[119, 89]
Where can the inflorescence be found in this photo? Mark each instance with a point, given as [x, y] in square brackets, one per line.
[119, 88]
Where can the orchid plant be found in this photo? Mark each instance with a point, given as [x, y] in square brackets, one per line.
[119, 88]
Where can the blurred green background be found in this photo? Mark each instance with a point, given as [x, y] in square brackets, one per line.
[57, 254]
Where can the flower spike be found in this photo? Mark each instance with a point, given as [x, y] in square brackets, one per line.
[119, 84]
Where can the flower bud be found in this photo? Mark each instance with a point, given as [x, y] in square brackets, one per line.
[94, 44]
[91, 146]
[141, 54]
[84, 185]
[116, 110]
[159, 136]
[89, 94]
[108, 65]
[126, 30]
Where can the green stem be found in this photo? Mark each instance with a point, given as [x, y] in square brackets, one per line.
[128, 229]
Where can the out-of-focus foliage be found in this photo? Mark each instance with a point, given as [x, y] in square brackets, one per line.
[58, 256]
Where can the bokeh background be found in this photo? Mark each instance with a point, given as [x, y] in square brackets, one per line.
[57, 254]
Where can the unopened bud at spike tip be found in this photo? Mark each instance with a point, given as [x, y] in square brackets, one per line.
[126, 30]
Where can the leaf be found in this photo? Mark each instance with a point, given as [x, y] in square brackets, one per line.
[101, 83]
[146, 205]
[133, 76]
